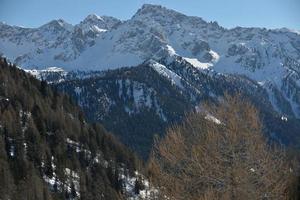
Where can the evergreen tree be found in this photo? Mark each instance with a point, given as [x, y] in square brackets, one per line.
[7, 186]
[42, 134]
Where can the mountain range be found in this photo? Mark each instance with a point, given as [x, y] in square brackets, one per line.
[144, 74]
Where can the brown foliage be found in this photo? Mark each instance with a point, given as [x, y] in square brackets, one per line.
[202, 159]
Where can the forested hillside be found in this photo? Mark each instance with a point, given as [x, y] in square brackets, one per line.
[48, 151]
[136, 103]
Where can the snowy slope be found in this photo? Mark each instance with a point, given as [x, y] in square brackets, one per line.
[269, 57]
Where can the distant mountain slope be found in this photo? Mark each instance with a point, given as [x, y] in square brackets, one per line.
[48, 151]
[134, 103]
[269, 57]
[137, 103]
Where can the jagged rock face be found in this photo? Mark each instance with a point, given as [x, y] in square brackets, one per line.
[53, 44]
[96, 24]
[271, 58]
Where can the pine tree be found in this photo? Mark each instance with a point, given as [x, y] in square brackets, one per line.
[44, 88]
[73, 193]
[138, 186]
[7, 186]
[35, 125]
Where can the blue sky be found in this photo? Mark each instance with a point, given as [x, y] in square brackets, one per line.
[228, 13]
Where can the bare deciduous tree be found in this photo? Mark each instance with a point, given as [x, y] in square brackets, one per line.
[223, 156]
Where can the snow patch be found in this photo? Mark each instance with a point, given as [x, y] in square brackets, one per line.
[171, 51]
[215, 55]
[149, 192]
[197, 64]
[284, 118]
[164, 71]
[97, 29]
[77, 90]
[212, 118]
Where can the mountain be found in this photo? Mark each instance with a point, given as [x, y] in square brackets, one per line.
[174, 62]
[269, 57]
[54, 43]
[137, 103]
[48, 150]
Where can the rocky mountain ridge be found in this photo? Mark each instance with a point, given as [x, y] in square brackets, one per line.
[269, 57]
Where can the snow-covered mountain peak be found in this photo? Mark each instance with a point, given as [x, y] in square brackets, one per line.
[156, 9]
[155, 32]
[150, 8]
[96, 24]
[164, 16]
[93, 17]
[156, 12]
[58, 25]
[287, 30]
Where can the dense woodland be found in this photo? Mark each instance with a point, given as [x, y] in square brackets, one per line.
[127, 100]
[107, 98]
[48, 151]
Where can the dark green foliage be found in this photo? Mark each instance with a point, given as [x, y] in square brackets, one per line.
[138, 186]
[42, 134]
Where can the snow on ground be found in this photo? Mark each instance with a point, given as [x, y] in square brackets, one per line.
[36, 72]
[41, 74]
[129, 181]
[52, 181]
[171, 50]
[24, 117]
[97, 29]
[196, 63]
[284, 118]
[129, 186]
[73, 180]
[78, 91]
[164, 71]
[4, 99]
[212, 118]
[207, 115]
[11, 149]
[141, 95]
[215, 55]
